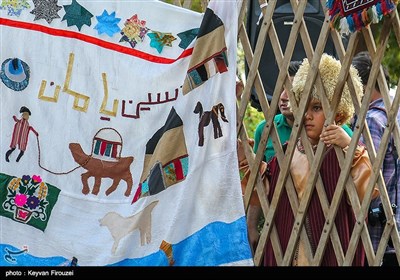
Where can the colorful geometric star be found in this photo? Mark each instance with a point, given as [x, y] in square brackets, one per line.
[187, 37]
[160, 39]
[77, 15]
[107, 24]
[134, 31]
[46, 9]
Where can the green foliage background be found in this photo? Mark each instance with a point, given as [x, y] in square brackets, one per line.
[195, 4]
[392, 54]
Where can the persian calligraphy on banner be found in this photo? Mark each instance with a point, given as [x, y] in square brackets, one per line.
[118, 143]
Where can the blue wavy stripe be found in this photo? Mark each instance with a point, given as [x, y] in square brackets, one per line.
[216, 244]
[12, 256]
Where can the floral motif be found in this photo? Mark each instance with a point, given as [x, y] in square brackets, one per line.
[26, 198]
[134, 31]
[14, 7]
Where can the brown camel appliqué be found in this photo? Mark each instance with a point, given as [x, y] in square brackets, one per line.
[104, 162]
[210, 116]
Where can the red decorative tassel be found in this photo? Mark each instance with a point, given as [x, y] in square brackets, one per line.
[357, 22]
[384, 7]
[359, 15]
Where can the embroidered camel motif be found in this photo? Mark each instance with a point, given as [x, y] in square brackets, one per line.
[98, 168]
[210, 116]
[120, 227]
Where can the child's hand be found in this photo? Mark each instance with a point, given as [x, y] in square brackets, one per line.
[335, 135]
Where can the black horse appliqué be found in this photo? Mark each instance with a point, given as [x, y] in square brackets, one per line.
[207, 116]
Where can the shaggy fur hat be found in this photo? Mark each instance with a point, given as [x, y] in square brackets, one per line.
[329, 69]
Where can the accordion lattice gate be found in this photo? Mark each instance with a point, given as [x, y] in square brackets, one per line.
[343, 18]
[345, 186]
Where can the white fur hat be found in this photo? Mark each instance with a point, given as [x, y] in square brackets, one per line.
[329, 69]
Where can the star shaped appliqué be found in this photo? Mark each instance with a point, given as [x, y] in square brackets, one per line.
[46, 9]
[159, 40]
[15, 7]
[107, 24]
[187, 37]
[77, 15]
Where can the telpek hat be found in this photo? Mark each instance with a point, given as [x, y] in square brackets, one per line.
[15, 74]
[25, 109]
[329, 69]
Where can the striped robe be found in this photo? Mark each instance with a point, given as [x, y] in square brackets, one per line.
[315, 219]
[21, 133]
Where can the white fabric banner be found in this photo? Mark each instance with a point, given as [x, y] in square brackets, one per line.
[118, 135]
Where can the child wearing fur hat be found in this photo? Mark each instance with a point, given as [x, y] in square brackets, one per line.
[329, 171]
[21, 133]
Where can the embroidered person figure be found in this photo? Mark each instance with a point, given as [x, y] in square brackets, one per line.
[20, 133]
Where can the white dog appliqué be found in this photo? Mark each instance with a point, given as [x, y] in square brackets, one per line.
[120, 227]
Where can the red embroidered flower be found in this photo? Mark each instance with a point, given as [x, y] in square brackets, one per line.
[36, 179]
[20, 199]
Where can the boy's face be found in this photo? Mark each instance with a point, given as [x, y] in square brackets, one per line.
[284, 104]
[314, 120]
[25, 115]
